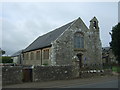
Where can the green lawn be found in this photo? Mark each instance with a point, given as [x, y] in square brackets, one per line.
[116, 69]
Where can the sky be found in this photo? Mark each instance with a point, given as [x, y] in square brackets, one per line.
[21, 23]
[119, 11]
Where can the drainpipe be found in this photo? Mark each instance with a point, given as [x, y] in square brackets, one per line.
[22, 58]
[41, 56]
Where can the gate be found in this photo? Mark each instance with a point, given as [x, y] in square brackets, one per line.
[27, 75]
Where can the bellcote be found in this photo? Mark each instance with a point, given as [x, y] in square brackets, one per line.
[94, 24]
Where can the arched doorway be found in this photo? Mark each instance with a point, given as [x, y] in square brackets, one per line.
[79, 55]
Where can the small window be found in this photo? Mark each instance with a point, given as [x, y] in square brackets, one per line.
[46, 54]
[38, 55]
[26, 56]
[31, 56]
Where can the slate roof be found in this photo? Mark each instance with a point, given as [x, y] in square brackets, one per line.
[46, 39]
[17, 53]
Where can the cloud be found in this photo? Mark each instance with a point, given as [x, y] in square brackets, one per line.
[119, 11]
[19, 35]
[22, 23]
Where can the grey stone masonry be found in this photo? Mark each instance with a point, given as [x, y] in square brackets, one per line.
[11, 75]
[47, 73]
[63, 50]
[14, 74]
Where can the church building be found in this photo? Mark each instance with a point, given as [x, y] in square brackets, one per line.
[62, 45]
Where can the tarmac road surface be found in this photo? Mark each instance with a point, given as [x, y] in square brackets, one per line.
[96, 82]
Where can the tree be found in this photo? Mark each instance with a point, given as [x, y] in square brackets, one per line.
[6, 59]
[2, 52]
[115, 43]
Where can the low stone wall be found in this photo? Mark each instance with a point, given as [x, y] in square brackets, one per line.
[11, 75]
[107, 72]
[47, 73]
[15, 74]
[94, 73]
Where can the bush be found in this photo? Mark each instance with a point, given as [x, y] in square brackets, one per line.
[45, 64]
[7, 59]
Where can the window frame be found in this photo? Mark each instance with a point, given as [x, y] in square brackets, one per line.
[31, 55]
[78, 40]
[46, 54]
[38, 55]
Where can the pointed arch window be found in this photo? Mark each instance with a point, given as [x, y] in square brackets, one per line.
[78, 40]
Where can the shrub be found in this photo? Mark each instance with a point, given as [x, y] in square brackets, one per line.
[7, 59]
[45, 64]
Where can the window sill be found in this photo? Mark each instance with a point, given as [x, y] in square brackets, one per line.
[80, 49]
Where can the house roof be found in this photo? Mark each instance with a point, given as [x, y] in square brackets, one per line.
[46, 39]
[17, 53]
[105, 48]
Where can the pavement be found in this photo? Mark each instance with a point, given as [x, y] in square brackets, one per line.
[95, 82]
[0, 77]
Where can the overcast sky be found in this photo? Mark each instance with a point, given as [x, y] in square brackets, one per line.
[22, 23]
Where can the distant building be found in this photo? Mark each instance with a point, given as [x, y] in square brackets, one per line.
[60, 46]
[107, 56]
[17, 57]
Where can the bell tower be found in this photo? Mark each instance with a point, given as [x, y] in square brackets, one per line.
[94, 27]
[95, 42]
[94, 24]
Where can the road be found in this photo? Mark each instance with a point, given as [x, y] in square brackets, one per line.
[106, 84]
[96, 82]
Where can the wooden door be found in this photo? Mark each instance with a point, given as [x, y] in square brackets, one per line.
[80, 60]
[27, 75]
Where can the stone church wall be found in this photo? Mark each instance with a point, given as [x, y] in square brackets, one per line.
[63, 49]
